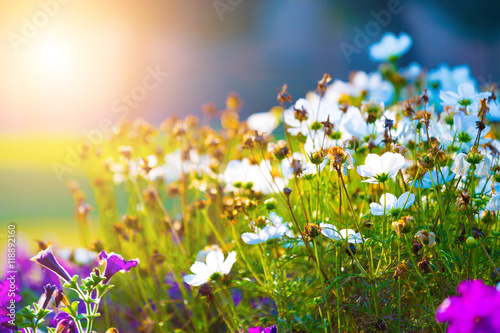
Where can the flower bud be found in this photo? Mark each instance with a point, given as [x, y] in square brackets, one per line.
[317, 157]
[471, 242]
[271, 204]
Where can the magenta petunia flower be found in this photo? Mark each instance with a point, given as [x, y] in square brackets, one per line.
[115, 263]
[270, 329]
[47, 259]
[475, 310]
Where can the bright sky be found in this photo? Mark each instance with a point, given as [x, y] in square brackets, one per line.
[64, 62]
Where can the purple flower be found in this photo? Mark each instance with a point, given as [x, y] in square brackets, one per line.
[64, 323]
[237, 296]
[49, 290]
[115, 263]
[259, 329]
[47, 259]
[476, 310]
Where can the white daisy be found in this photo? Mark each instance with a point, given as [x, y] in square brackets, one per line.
[214, 268]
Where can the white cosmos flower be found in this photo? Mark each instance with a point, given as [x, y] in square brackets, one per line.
[445, 78]
[494, 113]
[431, 177]
[466, 96]
[264, 122]
[381, 168]
[202, 255]
[267, 233]
[393, 205]
[465, 129]
[330, 231]
[494, 203]
[390, 47]
[370, 84]
[259, 175]
[214, 268]
[411, 72]
[461, 166]
[317, 111]
[275, 229]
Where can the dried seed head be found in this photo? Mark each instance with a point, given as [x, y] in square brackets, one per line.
[401, 271]
[283, 95]
[300, 114]
[279, 149]
[312, 230]
[328, 126]
[425, 266]
[323, 84]
[338, 158]
[403, 225]
[416, 247]
[206, 291]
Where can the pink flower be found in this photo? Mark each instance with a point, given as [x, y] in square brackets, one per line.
[476, 310]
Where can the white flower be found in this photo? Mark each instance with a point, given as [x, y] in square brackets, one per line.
[465, 129]
[390, 46]
[466, 96]
[202, 255]
[461, 166]
[392, 204]
[214, 268]
[445, 78]
[264, 122]
[330, 231]
[494, 203]
[381, 168]
[369, 86]
[412, 72]
[483, 168]
[274, 230]
[267, 233]
[494, 113]
[317, 111]
[431, 177]
[351, 236]
[259, 175]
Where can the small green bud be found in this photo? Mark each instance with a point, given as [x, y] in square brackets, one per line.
[271, 204]
[471, 242]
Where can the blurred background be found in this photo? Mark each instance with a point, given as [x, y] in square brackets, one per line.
[69, 66]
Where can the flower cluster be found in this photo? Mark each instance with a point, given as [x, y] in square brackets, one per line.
[357, 208]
